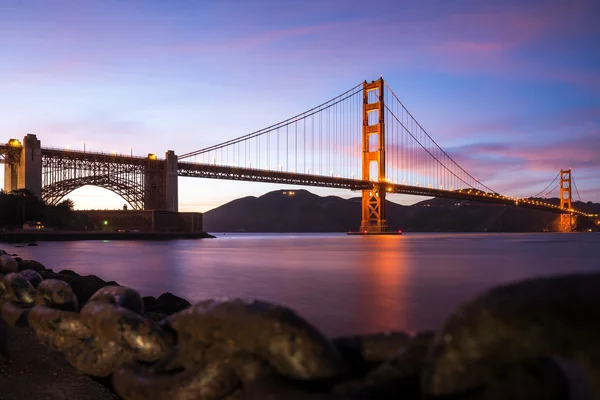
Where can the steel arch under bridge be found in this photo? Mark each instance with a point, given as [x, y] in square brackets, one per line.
[140, 181]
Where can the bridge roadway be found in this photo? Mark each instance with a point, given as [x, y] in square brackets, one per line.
[210, 171]
[256, 175]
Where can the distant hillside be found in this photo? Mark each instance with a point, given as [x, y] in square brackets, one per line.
[303, 211]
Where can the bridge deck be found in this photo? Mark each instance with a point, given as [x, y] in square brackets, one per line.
[189, 169]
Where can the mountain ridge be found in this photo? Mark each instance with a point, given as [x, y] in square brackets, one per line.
[303, 211]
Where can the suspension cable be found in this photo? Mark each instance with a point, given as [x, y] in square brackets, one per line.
[576, 190]
[420, 144]
[434, 142]
[547, 193]
[283, 123]
[550, 184]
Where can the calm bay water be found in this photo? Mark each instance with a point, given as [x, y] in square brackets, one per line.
[341, 284]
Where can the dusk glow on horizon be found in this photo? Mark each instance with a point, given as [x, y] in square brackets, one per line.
[510, 90]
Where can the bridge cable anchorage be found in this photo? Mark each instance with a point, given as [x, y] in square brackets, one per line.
[576, 190]
[542, 191]
[326, 105]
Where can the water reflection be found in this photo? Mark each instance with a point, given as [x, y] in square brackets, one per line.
[342, 284]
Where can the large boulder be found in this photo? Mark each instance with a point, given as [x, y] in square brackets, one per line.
[85, 286]
[68, 272]
[30, 264]
[167, 303]
[8, 264]
[150, 304]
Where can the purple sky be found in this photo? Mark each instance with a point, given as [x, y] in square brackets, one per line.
[510, 89]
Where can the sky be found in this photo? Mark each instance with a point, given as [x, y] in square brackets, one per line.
[509, 89]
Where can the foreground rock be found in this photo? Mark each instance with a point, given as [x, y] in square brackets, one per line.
[498, 346]
[36, 373]
[490, 339]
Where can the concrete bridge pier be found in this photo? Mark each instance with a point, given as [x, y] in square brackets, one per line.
[172, 189]
[160, 184]
[27, 173]
[11, 176]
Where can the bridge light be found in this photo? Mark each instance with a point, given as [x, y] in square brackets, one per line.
[389, 189]
[14, 143]
[151, 156]
[105, 222]
[67, 147]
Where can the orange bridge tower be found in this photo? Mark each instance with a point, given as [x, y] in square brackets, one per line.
[373, 140]
[566, 220]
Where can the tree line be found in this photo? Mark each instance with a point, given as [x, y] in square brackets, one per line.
[21, 206]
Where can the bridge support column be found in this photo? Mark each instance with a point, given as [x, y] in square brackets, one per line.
[29, 169]
[567, 221]
[172, 193]
[11, 177]
[373, 200]
[160, 183]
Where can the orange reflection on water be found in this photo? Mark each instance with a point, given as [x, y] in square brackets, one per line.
[385, 286]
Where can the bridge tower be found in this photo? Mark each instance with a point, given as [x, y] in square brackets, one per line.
[26, 173]
[566, 220]
[373, 200]
[160, 184]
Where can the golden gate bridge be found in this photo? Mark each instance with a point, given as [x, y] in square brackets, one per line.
[364, 140]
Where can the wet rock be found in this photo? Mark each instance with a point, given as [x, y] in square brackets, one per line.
[18, 259]
[68, 272]
[32, 244]
[363, 352]
[3, 291]
[98, 357]
[31, 264]
[37, 373]
[126, 328]
[120, 296]
[540, 379]
[274, 333]
[15, 314]
[8, 264]
[112, 283]
[150, 304]
[154, 316]
[213, 381]
[57, 294]
[168, 303]
[396, 378]
[49, 274]
[33, 277]
[19, 289]
[85, 286]
[512, 324]
[58, 322]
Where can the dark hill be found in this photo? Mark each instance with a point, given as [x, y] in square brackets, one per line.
[280, 211]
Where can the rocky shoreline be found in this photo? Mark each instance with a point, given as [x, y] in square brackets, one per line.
[499, 346]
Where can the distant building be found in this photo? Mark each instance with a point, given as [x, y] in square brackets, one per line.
[143, 220]
[29, 225]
